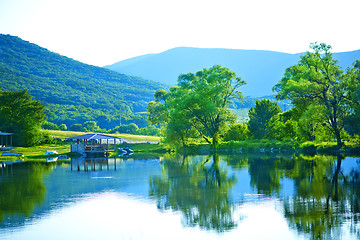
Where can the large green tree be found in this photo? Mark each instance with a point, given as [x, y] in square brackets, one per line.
[264, 121]
[22, 115]
[199, 103]
[317, 80]
[353, 87]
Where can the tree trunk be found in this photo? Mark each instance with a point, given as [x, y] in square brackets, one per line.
[215, 140]
[338, 138]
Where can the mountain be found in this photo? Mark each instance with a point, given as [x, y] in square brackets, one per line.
[260, 69]
[73, 92]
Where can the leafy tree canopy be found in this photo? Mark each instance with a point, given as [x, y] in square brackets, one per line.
[318, 80]
[22, 115]
[198, 104]
[264, 119]
[353, 120]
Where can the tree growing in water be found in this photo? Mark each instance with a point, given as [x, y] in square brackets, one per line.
[198, 104]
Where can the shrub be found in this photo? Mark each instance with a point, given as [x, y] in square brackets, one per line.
[49, 126]
[237, 132]
[308, 147]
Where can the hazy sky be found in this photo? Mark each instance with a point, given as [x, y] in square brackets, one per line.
[103, 32]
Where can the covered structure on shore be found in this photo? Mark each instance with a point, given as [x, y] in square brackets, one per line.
[5, 141]
[94, 143]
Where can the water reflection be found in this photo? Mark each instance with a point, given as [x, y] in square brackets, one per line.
[92, 164]
[22, 188]
[315, 196]
[327, 197]
[199, 187]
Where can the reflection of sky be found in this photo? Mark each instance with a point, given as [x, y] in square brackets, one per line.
[119, 216]
[64, 187]
[349, 164]
[243, 189]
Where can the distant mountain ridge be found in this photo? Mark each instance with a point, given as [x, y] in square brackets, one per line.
[260, 69]
[70, 89]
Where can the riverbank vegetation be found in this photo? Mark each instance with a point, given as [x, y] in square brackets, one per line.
[324, 116]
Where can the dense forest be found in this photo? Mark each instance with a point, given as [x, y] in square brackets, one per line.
[73, 92]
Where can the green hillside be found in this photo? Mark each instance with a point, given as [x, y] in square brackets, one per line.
[73, 92]
[260, 69]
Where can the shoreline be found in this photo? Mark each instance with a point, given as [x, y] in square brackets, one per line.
[146, 149]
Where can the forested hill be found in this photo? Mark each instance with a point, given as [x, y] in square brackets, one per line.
[260, 69]
[69, 87]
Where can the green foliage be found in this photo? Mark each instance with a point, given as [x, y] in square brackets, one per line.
[71, 91]
[309, 147]
[318, 82]
[352, 122]
[90, 126]
[237, 132]
[63, 127]
[105, 118]
[131, 128]
[77, 128]
[49, 126]
[157, 112]
[265, 120]
[326, 147]
[198, 106]
[149, 131]
[311, 123]
[22, 115]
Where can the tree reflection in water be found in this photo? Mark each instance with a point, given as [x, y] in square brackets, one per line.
[325, 198]
[22, 188]
[324, 201]
[199, 187]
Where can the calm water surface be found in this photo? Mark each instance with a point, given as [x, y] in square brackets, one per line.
[194, 197]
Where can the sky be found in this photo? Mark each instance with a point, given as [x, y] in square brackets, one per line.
[103, 32]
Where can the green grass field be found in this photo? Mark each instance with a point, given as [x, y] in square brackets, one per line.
[65, 134]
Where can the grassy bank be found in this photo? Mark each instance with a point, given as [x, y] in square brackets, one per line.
[145, 149]
[273, 146]
[63, 147]
[38, 152]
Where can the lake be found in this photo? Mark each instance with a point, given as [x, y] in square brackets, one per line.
[245, 196]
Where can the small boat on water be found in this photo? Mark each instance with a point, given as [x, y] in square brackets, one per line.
[125, 152]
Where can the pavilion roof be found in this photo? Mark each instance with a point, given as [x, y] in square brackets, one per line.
[90, 136]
